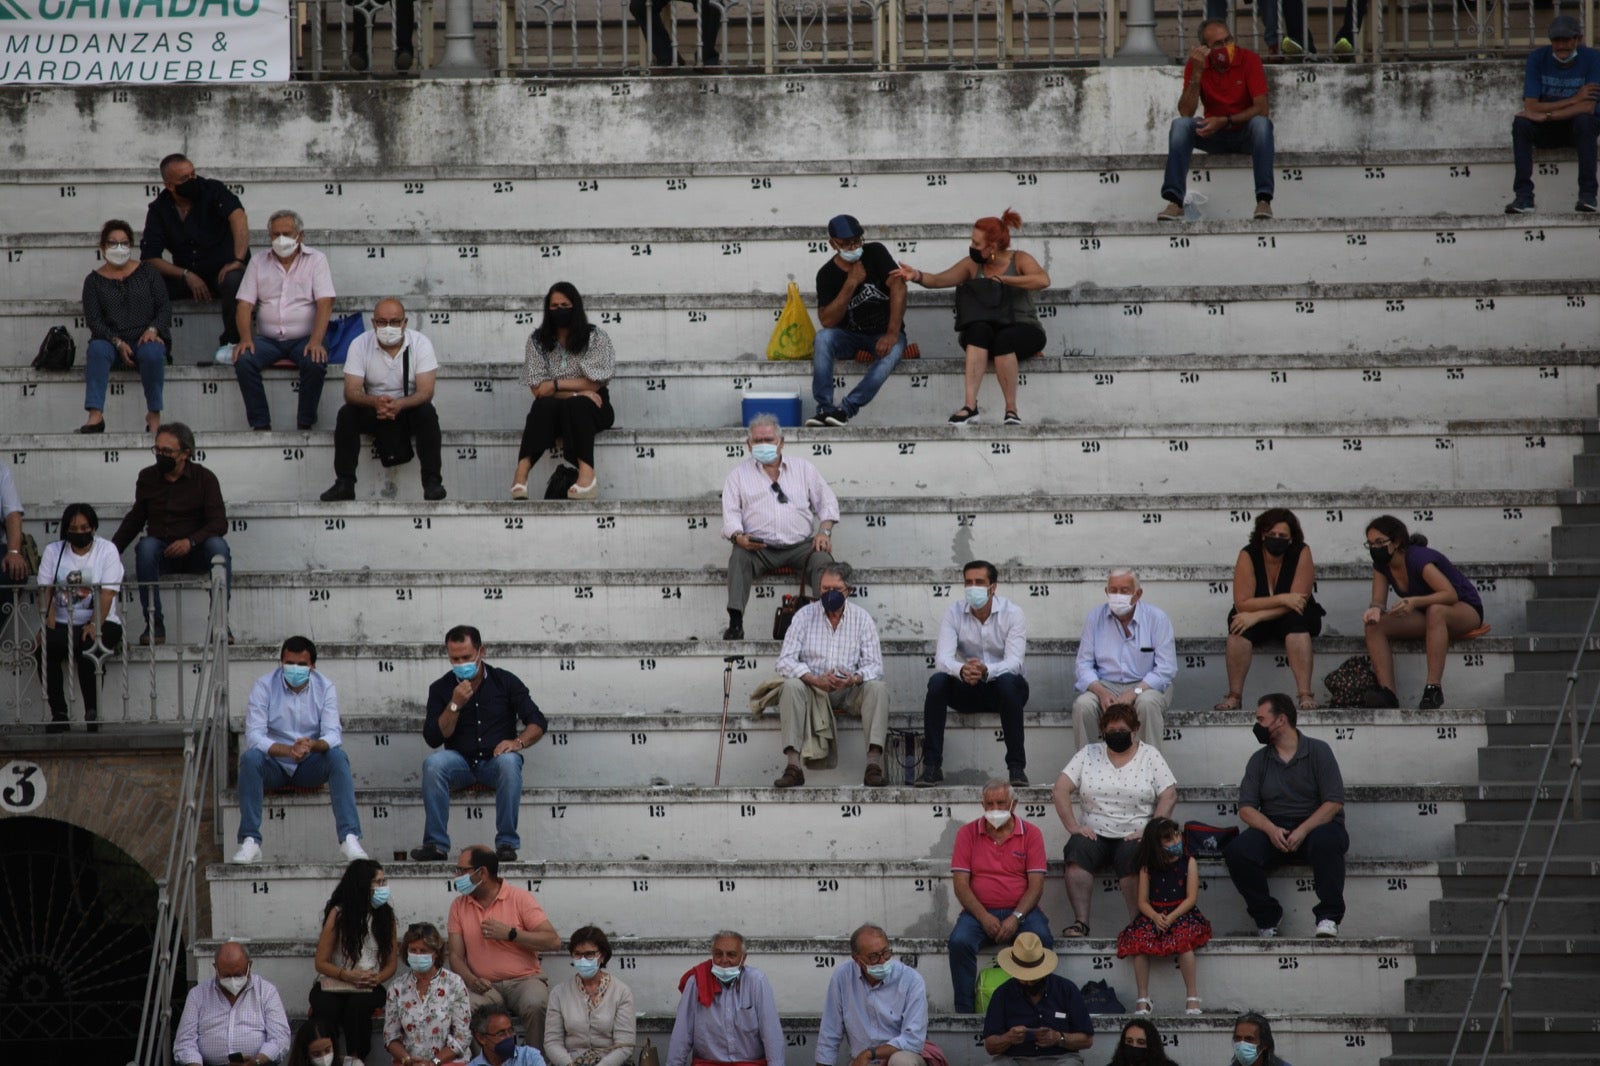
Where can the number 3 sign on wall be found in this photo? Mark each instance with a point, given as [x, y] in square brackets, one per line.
[22, 787]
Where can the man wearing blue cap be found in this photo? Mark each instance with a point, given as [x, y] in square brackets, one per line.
[1561, 88]
[862, 307]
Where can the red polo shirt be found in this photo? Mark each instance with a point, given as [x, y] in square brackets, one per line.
[999, 871]
[1227, 94]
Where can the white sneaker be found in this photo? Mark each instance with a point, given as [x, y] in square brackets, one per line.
[1267, 932]
[1327, 928]
[249, 851]
[224, 354]
[351, 848]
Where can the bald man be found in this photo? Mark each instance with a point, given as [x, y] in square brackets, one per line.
[234, 1012]
[389, 374]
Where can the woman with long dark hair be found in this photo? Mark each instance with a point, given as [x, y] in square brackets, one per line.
[316, 1043]
[356, 953]
[1140, 1045]
[79, 577]
[567, 366]
[1273, 579]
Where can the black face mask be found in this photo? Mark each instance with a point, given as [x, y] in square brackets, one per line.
[1119, 741]
[191, 189]
[79, 540]
[976, 256]
[1136, 1056]
[1262, 734]
[1380, 556]
[1276, 545]
[166, 463]
[560, 317]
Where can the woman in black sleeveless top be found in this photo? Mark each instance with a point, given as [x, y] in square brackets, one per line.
[1273, 581]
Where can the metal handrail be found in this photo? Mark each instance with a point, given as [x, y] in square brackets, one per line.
[1499, 927]
[176, 905]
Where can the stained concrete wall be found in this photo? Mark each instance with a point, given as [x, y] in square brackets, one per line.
[1019, 115]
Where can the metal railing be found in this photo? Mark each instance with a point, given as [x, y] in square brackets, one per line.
[1500, 926]
[553, 37]
[204, 749]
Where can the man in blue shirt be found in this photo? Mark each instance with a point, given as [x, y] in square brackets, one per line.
[473, 714]
[1127, 654]
[727, 1014]
[1560, 89]
[291, 738]
[876, 1006]
[1038, 1014]
[497, 1041]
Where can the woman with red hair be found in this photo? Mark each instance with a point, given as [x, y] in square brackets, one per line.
[994, 313]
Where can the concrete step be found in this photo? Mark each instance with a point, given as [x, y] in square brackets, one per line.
[664, 394]
[1586, 470]
[1556, 1037]
[1548, 687]
[1293, 975]
[1551, 917]
[1523, 762]
[667, 464]
[386, 751]
[1092, 320]
[1563, 615]
[1525, 726]
[1485, 878]
[1575, 542]
[1555, 992]
[839, 823]
[1093, 531]
[1562, 954]
[818, 899]
[1497, 803]
[1500, 838]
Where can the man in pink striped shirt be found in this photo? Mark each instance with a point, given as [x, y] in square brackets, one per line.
[290, 291]
[778, 512]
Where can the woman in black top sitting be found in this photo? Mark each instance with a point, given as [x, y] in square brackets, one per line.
[1273, 579]
[129, 314]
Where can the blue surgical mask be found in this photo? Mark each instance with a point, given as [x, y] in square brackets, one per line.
[419, 963]
[977, 596]
[296, 675]
[586, 968]
[506, 1048]
[463, 884]
[852, 255]
[465, 671]
[833, 601]
[882, 971]
[380, 896]
[765, 454]
[1174, 849]
[726, 974]
[1245, 1054]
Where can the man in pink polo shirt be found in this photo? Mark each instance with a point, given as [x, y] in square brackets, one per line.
[496, 933]
[289, 289]
[997, 872]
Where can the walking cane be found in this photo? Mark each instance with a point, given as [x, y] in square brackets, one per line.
[727, 691]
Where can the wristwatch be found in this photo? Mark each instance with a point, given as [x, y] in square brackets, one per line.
[513, 934]
[452, 708]
[1017, 915]
[1140, 690]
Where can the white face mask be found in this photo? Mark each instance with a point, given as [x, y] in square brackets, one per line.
[1121, 603]
[322, 1060]
[234, 985]
[391, 335]
[997, 818]
[117, 254]
[285, 246]
[852, 255]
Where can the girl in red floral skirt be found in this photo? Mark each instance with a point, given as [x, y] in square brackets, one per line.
[1168, 922]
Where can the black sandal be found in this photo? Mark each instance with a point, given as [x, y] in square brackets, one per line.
[963, 416]
[1076, 930]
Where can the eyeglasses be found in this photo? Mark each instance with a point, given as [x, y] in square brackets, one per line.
[879, 956]
[590, 954]
[501, 1034]
[376, 321]
[167, 453]
[1383, 543]
[778, 492]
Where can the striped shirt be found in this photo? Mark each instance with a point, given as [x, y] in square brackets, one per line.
[750, 506]
[816, 646]
[212, 1028]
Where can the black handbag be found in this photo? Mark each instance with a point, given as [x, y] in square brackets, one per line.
[57, 351]
[982, 300]
[784, 614]
[563, 479]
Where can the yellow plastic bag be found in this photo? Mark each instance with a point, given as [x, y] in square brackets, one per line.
[794, 334]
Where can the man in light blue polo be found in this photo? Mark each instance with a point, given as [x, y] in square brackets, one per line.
[727, 1014]
[876, 1007]
[1127, 654]
[291, 737]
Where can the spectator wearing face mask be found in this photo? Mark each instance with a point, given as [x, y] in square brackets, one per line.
[79, 578]
[876, 1007]
[727, 1014]
[316, 1043]
[497, 1041]
[590, 1019]
[861, 303]
[1253, 1044]
[1273, 604]
[831, 660]
[129, 315]
[497, 931]
[389, 376]
[202, 224]
[426, 1015]
[1560, 107]
[978, 667]
[237, 1016]
[567, 366]
[1126, 654]
[1231, 85]
[289, 288]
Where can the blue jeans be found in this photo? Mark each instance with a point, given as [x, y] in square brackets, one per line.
[965, 940]
[259, 771]
[1580, 132]
[841, 345]
[1182, 140]
[1250, 856]
[150, 564]
[101, 356]
[268, 351]
[446, 769]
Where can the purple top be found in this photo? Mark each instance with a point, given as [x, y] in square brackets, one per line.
[1417, 559]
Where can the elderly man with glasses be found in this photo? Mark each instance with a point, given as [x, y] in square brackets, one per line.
[178, 504]
[876, 1007]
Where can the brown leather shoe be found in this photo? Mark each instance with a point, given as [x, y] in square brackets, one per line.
[791, 777]
[873, 778]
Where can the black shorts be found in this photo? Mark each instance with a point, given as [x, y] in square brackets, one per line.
[1273, 630]
[1098, 855]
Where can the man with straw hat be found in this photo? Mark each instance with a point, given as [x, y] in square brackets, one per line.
[1038, 1015]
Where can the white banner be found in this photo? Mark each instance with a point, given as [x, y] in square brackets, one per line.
[143, 42]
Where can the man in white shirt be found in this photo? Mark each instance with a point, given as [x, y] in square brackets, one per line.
[831, 660]
[778, 512]
[1127, 654]
[978, 666]
[289, 288]
[236, 1017]
[389, 374]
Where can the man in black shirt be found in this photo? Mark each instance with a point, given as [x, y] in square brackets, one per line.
[473, 713]
[203, 224]
[862, 307]
[1038, 1014]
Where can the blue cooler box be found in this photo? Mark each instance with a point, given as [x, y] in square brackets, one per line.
[784, 405]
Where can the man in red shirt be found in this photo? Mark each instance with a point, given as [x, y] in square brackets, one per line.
[1230, 82]
[997, 871]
